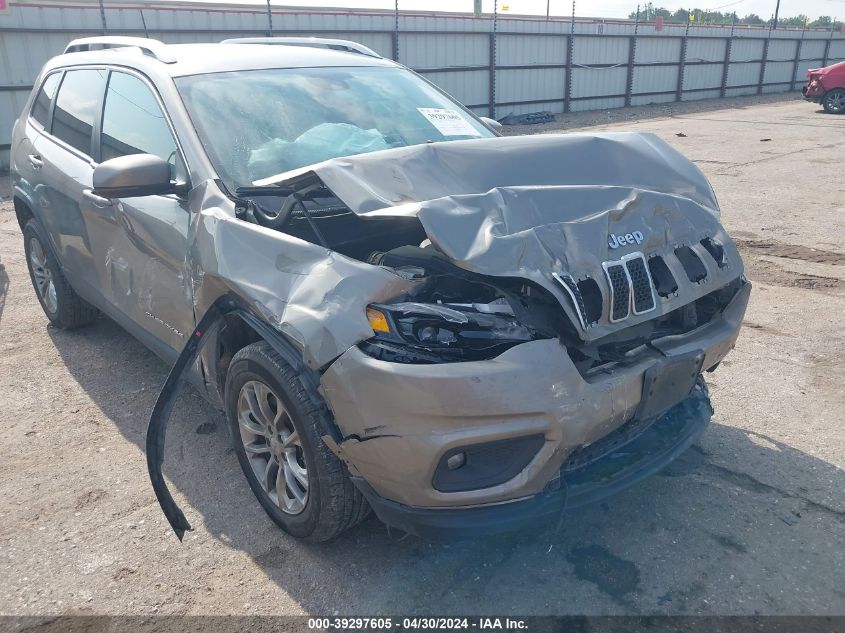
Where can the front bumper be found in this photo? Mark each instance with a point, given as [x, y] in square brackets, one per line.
[813, 95]
[669, 436]
[398, 420]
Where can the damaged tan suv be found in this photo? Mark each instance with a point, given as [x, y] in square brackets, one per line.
[395, 307]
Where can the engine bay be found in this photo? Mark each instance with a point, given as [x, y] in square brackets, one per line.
[452, 314]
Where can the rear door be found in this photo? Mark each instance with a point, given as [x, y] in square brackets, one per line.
[62, 163]
[145, 256]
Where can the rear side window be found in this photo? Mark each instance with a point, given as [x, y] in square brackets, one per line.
[133, 122]
[76, 107]
[41, 107]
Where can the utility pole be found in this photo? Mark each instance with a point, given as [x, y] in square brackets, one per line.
[777, 10]
[103, 17]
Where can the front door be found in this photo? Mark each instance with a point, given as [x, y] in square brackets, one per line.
[145, 261]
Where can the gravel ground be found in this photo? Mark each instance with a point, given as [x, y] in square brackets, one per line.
[751, 520]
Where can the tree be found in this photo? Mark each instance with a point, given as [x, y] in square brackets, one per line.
[752, 19]
[798, 20]
[681, 16]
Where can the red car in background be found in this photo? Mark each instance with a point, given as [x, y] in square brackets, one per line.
[827, 86]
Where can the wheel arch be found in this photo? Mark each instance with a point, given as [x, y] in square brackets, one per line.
[239, 327]
[24, 206]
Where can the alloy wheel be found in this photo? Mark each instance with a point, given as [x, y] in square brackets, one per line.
[273, 446]
[43, 276]
[836, 101]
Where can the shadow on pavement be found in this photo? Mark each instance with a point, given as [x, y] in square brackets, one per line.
[698, 537]
[4, 289]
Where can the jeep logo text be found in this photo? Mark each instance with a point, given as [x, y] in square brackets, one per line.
[615, 241]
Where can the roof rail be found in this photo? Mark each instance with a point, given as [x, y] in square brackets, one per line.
[149, 47]
[315, 42]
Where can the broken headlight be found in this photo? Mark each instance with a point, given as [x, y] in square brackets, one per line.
[411, 332]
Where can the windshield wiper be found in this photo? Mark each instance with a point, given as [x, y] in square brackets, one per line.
[294, 198]
[264, 190]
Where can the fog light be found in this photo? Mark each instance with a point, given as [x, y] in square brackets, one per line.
[477, 466]
[456, 461]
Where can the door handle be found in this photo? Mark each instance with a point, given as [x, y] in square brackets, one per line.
[35, 161]
[97, 201]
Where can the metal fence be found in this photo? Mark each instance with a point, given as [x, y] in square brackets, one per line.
[496, 65]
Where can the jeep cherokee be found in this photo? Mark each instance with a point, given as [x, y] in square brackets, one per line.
[394, 307]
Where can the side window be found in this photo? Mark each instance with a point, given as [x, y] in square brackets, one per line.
[133, 122]
[41, 106]
[76, 107]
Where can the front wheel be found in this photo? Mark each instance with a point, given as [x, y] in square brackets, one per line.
[834, 101]
[277, 421]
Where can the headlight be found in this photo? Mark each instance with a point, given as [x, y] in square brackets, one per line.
[438, 332]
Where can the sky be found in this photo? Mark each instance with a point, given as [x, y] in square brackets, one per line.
[599, 8]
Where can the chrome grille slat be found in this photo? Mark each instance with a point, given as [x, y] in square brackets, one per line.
[574, 293]
[620, 290]
[631, 287]
[641, 284]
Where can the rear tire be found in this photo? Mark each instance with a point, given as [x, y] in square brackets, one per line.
[277, 421]
[61, 304]
[834, 101]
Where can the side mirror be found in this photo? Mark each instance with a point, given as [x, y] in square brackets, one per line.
[493, 124]
[133, 176]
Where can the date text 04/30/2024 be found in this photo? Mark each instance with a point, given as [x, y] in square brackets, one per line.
[417, 623]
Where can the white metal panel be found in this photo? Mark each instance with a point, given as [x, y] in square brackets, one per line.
[746, 50]
[698, 96]
[520, 50]
[739, 92]
[778, 72]
[23, 54]
[837, 50]
[703, 76]
[785, 87]
[705, 50]
[743, 74]
[521, 85]
[655, 79]
[595, 82]
[36, 17]
[782, 50]
[528, 108]
[649, 99]
[11, 105]
[597, 104]
[594, 50]
[470, 87]
[657, 49]
[812, 49]
[433, 50]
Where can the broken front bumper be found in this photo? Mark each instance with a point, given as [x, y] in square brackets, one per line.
[669, 436]
[814, 94]
[399, 422]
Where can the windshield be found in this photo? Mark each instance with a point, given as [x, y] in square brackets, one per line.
[258, 123]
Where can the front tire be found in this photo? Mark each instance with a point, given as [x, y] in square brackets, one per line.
[277, 421]
[60, 303]
[834, 101]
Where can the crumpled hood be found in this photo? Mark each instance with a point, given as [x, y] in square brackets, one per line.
[546, 208]
[369, 182]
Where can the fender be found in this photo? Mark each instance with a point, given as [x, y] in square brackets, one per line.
[28, 199]
[207, 328]
[157, 428]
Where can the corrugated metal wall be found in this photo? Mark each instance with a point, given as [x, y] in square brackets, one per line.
[515, 65]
